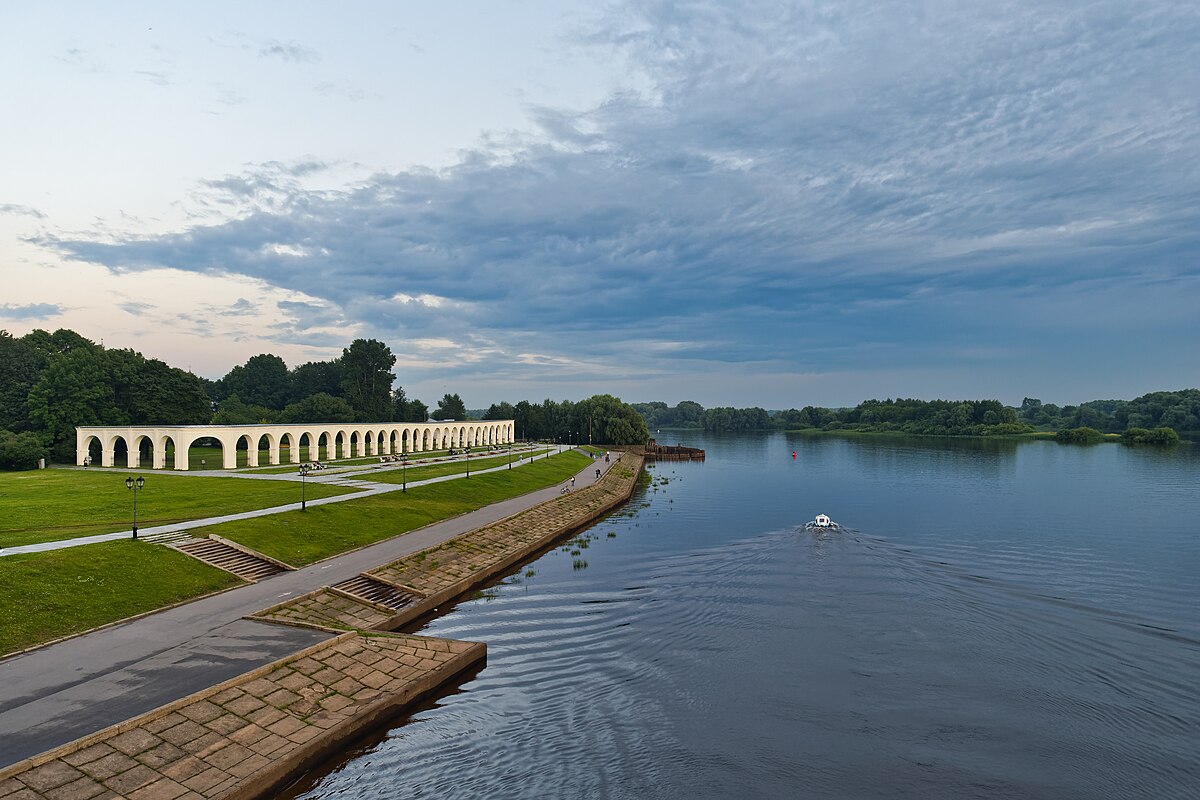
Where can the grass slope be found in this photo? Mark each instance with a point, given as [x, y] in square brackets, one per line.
[45, 505]
[300, 538]
[49, 595]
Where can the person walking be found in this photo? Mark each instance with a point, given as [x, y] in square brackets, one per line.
[572, 481]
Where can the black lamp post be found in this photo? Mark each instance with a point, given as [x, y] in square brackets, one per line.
[404, 472]
[135, 487]
[468, 456]
[304, 468]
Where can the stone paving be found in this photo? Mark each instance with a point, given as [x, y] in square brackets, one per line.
[247, 736]
[440, 573]
[328, 610]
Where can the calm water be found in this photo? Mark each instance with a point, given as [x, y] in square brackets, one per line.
[999, 621]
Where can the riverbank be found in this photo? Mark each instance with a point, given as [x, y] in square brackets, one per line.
[245, 737]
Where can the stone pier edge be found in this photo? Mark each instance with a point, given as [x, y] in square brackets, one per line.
[162, 711]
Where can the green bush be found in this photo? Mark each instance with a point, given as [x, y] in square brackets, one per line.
[1161, 436]
[21, 450]
[1082, 435]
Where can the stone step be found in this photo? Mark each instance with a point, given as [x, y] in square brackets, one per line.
[378, 592]
[167, 537]
[230, 559]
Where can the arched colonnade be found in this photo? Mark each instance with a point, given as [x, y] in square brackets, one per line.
[340, 440]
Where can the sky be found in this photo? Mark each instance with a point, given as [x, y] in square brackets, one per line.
[753, 203]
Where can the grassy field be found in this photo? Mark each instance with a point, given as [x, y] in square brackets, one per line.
[45, 505]
[396, 475]
[300, 538]
[49, 595]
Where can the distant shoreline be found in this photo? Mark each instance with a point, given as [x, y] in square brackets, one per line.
[1187, 437]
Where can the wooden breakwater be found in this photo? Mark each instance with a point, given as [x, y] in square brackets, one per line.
[653, 451]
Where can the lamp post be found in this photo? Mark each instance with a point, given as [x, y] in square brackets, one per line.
[404, 472]
[468, 457]
[135, 487]
[304, 468]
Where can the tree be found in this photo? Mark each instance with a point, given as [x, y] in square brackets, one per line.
[320, 407]
[315, 377]
[405, 410]
[262, 381]
[417, 411]
[21, 364]
[21, 450]
[74, 389]
[451, 406]
[501, 410]
[367, 379]
[163, 395]
[232, 411]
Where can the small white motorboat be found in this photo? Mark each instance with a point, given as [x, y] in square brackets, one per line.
[821, 523]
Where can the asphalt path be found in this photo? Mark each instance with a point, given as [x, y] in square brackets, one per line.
[58, 693]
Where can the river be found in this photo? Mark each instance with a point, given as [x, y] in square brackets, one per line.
[996, 620]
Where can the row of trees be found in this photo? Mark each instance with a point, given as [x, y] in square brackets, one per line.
[358, 386]
[600, 419]
[1179, 410]
[52, 382]
[928, 417]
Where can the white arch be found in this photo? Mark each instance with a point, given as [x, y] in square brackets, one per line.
[410, 437]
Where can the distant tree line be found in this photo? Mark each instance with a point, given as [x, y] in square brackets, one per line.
[1152, 418]
[928, 417]
[52, 382]
[1179, 410]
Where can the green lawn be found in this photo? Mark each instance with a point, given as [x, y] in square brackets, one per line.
[44, 505]
[300, 538]
[394, 474]
[49, 595]
[346, 462]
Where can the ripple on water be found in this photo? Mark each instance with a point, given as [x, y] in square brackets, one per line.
[693, 659]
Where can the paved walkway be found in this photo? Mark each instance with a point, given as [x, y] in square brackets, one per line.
[347, 478]
[63, 691]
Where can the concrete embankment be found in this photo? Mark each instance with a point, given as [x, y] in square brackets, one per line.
[250, 735]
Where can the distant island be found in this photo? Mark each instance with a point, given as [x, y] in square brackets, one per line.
[1143, 420]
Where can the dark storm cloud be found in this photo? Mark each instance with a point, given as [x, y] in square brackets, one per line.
[803, 186]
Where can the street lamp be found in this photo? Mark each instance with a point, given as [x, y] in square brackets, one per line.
[304, 468]
[404, 472]
[468, 457]
[135, 487]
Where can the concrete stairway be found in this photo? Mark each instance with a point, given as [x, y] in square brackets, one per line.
[377, 592]
[230, 559]
[168, 537]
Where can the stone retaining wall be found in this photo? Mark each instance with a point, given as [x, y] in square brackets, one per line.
[440, 574]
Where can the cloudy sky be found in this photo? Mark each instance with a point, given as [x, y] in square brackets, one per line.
[769, 204]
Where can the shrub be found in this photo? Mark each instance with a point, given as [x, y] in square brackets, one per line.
[1162, 436]
[1082, 435]
[21, 450]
